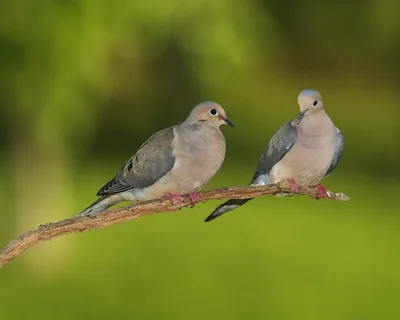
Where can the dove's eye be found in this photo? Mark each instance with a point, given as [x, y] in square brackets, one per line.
[213, 112]
[315, 103]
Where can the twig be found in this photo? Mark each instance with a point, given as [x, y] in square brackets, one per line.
[50, 231]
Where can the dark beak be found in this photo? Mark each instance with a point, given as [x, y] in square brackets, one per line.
[301, 116]
[229, 122]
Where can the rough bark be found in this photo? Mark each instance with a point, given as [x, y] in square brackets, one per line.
[50, 231]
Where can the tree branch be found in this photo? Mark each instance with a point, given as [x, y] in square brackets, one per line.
[50, 231]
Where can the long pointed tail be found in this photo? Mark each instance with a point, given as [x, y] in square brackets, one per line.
[226, 207]
[101, 204]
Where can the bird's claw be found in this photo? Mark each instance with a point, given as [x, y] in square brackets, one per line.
[175, 199]
[322, 192]
[294, 186]
[194, 198]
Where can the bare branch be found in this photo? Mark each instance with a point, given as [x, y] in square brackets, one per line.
[50, 231]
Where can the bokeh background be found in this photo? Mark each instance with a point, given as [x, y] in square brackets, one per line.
[83, 83]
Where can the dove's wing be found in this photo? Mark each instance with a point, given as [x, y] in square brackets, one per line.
[152, 161]
[339, 147]
[281, 142]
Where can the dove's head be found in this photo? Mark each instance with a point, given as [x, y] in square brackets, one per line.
[211, 113]
[310, 101]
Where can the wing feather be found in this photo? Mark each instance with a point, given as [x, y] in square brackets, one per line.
[152, 161]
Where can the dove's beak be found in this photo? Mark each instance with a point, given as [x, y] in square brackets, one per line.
[228, 122]
[301, 116]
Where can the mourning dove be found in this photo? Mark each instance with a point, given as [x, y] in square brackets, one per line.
[302, 151]
[172, 163]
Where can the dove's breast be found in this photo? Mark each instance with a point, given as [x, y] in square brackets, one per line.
[198, 156]
[311, 156]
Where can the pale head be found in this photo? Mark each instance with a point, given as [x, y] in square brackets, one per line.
[209, 112]
[310, 101]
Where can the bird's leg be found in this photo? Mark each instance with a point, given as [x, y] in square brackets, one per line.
[175, 199]
[194, 198]
[322, 192]
[294, 186]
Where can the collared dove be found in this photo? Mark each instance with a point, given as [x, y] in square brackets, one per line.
[172, 163]
[302, 151]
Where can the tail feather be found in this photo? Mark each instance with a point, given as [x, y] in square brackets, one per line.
[226, 207]
[101, 204]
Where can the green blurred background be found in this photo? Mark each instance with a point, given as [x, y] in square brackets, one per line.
[83, 83]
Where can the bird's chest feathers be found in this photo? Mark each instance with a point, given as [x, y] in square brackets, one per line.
[317, 132]
[311, 156]
[199, 154]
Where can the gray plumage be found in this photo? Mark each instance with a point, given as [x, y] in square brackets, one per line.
[152, 161]
[280, 147]
[178, 161]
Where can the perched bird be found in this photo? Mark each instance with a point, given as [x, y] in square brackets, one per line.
[172, 163]
[302, 151]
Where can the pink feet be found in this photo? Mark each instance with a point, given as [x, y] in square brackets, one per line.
[175, 199]
[179, 200]
[294, 187]
[322, 192]
[194, 198]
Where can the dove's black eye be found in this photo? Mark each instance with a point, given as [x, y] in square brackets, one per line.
[213, 112]
[315, 103]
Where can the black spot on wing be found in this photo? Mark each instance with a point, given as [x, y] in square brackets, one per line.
[151, 162]
[129, 165]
